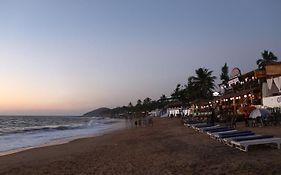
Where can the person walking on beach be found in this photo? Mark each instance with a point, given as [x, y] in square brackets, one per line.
[212, 117]
[150, 121]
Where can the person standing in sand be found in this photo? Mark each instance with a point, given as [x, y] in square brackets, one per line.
[212, 117]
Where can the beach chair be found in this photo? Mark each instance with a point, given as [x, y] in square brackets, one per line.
[224, 137]
[253, 137]
[202, 125]
[215, 135]
[236, 138]
[211, 132]
[243, 145]
[217, 129]
[208, 127]
[196, 125]
[232, 134]
[190, 124]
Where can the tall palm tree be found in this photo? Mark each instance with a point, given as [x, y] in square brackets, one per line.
[147, 101]
[203, 83]
[175, 95]
[267, 57]
[163, 98]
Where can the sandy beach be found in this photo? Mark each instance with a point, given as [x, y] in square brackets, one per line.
[166, 148]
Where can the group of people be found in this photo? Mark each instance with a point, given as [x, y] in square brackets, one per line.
[140, 122]
[143, 122]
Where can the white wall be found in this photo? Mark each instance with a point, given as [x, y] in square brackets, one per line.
[274, 101]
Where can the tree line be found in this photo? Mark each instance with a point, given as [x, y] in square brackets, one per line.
[198, 87]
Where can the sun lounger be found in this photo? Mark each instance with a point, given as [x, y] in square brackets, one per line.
[216, 129]
[241, 137]
[228, 140]
[243, 145]
[211, 128]
[216, 134]
[223, 137]
[208, 127]
[238, 139]
[254, 137]
[194, 124]
[233, 134]
[201, 126]
[197, 124]
[210, 133]
[191, 122]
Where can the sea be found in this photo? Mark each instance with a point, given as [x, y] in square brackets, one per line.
[23, 132]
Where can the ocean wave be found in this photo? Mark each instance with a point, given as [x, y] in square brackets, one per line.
[91, 123]
[40, 128]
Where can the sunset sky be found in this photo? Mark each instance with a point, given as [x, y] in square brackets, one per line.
[67, 57]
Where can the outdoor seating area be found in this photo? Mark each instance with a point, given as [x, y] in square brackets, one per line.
[241, 140]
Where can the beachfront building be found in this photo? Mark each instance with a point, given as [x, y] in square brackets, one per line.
[241, 90]
[259, 88]
[271, 87]
[176, 108]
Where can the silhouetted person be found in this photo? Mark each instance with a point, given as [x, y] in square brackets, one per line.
[213, 116]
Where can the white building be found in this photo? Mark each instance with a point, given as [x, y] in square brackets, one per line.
[271, 91]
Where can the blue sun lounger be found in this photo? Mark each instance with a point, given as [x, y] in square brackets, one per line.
[208, 127]
[243, 138]
[238, 139]
[215, 135]
[217, 129]
[254, 137]
[223, 137]
[201, 126]
[243, 145]
[210, 133]
[226, 139]
[197, 124]
[194, 124]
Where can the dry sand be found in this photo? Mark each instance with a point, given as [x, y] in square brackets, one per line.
[166, 148]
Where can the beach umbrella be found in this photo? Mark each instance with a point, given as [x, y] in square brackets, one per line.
[246, 109]
[249, 109]
[259, 113]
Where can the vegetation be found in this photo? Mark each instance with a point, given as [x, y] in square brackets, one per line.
[180, 94]
[198, 87]
[97, 112]
[224, 75]
[203, 84]
[267, 58]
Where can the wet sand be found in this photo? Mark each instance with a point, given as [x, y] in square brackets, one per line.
[167, 148]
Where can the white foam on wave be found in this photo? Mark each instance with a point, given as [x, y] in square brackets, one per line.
[22, 141]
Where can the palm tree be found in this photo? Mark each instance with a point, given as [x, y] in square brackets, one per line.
[267, 57]
[146, 101]
[162, 101]
[163, 98]
[175, 95]
[147, 104]
[203, 83]
[139, 102]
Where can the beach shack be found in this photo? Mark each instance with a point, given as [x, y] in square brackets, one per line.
[241, 90]
[176, 108]
[271, 86]
[259, 88]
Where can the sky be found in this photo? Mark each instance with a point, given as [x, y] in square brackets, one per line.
[67, 57]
